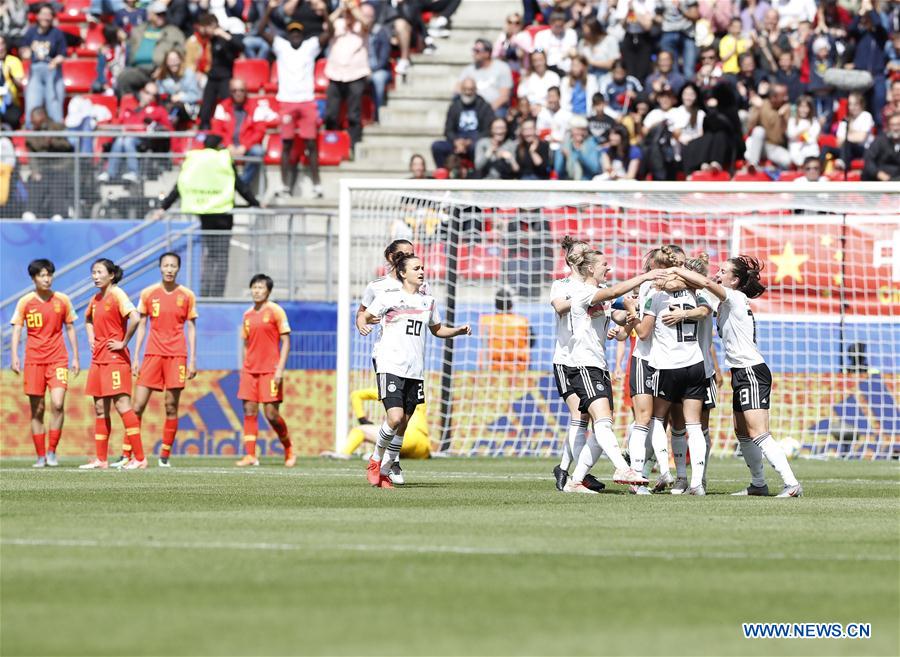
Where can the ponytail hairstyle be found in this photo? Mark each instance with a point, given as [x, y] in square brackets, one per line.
[579, 261]
[114, 270]
[699, 264]
[393, 247]
[746, 269]
[398, 262]
[650, 259]
[674, 254]
[573, 247]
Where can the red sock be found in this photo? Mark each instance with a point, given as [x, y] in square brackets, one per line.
[133, 434]
[251, 429]
[38, 439]
[170, 428]
[101, 437]
[55, 435]
[281, 429]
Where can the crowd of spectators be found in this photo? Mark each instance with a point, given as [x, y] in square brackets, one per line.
[674, 89]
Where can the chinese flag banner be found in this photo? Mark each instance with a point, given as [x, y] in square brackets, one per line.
[812, 263]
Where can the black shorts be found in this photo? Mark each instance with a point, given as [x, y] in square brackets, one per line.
[752, 387]
[590, 384]
[640, 377]
[396, 392]
[562, 385]
[712, 394]
[681, 383]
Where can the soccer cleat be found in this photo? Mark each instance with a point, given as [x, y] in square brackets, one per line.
[753, 491]
[396, 475]
[696, 490]
[573, 486]
[629, 476]
[384, 482]
[791, 491]
[94, 464]
[134, 464]
[639, 490]
[120, 462]
[663, 481]
[51, 459]
[290, 459]
[248, 460]
[561, 477]
[373, 472]
[593, 483]
[40, 463]
[164, 462]
[680, 486]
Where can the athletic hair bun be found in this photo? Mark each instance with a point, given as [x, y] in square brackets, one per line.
[747, 269]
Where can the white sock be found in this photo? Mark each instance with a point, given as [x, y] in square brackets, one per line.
[385, 435]
[775, 456]
[754, 459]
[391, 454]
[660, 444]
[649, 457]
[679, 449]
[574, 443]
[708, 440]
[565, 458]
[697, 446]
[637, 449]
[609, 444]
[586, 459]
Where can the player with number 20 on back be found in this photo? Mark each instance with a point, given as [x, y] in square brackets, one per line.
[400, 369]
[43, 313]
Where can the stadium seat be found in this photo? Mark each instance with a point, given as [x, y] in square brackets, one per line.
[827, 140]
[79, 75]
[789, 176]
[272, 85]
[440, 174]
[74, 30]
[480, 262]
[254, 73]
[93, 41]
[321, 80]
[854, 176]
[710, 175]
[334, 147]
[74, 11]
[752, 176]
[273, 150]
[857, 165]
[109, 102]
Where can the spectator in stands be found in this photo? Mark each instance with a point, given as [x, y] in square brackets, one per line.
[640, 20]
[242, 123]
[215, 47]
[664, 76]
[686, 120]
[129, 16]
[51, 177]
[578, 157]
[853, 134]
[535, 85]
[45, 46]
[578, 87]
[347, 68]
[513, 44]
[517, 113]
[659, 157]
[179, 85]
[749, 81]
[620, 160]
[832, 19]
[401, 30]
[789, 76]
[417, 168]
[767, 127]
[812, 171]
[752, 14]
[12, 84]
[557, 43]
[599, 47]
[228, 13]
[771, 41]
[882, 161]
[553, 121]
[13, 21]
[678, 35]
[822, 58]
[493, 77]
[148, 44]
[633, 121]
[379, 57]
[532, 153]
[792, 12]
[149, 116]
[495, 155]
[870, 36]
[892, 54]
[722, 140]
[893, 104]
[468, 119]
[619, 89]
[710, 72]
[600, 121]
[803, 131]
[296, 59]
[111, 58]
[732, 46]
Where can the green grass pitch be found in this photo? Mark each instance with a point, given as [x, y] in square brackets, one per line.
[479, 557]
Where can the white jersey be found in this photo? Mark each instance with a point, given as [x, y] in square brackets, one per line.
[705, 329]
[673, 347]
[588, 324]
[737, 328]
[561, 289]
[376, 287]
[405, 319]
[642, 347]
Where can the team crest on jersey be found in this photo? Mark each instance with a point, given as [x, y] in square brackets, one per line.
[265, 317]
[179, 301]
[57, 307]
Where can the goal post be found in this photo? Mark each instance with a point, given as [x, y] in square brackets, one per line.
[829, 324]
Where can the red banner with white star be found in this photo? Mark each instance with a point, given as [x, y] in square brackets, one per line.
[814, 264]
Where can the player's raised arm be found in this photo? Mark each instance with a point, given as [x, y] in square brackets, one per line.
[700, 281]
[441, 331]
[618, 289]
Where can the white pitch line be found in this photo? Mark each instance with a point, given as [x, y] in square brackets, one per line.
[439, 549]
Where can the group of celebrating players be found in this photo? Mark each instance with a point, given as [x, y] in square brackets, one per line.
[111, 320]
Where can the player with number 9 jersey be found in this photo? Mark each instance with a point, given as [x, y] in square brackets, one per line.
[110, 372]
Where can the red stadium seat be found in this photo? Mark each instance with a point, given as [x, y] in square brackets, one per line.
[480, 262]
[854, 176]
[79, 75]
[109, 102]
[334, 147]
[751, 176]
[70, 28]
[440, 174]
[272, 85]
[321, 80]
[74, 11]
[827, 140]
[93, 41]
[789, 176]
[254, 73]
[857, 165]
[710, 175]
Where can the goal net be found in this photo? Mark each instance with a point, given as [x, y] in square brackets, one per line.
[828, 326]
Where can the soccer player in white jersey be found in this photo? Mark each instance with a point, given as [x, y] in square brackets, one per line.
[736, 283]
[578, 421]
[589, 376]
[400, 368]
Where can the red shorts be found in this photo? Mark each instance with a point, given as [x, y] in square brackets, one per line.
[260, 388]
[299, 120]
[108, 380]
[163, 372]
[41, 376]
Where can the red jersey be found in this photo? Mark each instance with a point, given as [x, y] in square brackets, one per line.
[43, 322]
[168, 311]
[262, 332]
[109, 314]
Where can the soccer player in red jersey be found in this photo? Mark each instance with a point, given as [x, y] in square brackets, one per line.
[166, 366]
[44, 313]
[109, 379]
[267, 340]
